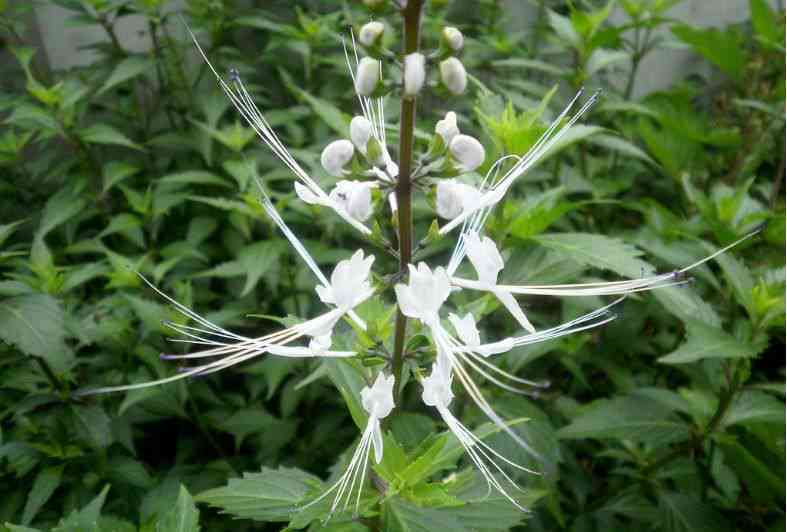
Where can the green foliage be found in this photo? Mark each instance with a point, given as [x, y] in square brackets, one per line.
[669, 418]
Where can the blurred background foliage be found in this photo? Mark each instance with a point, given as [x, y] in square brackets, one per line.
[670, 418]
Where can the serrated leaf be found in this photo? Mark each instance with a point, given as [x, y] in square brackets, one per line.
[86, 519]
[106, 134]
[183, 517]
[35, 324]
[127, 69]
[598, 251]
[704, 341]
[44, 486]
[271, 495]
[681, 512]
[630, 418]
[194, 177]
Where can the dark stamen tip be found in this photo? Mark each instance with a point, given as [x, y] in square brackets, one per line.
[165, 356]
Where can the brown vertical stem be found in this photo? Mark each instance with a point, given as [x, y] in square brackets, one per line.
[412, 32]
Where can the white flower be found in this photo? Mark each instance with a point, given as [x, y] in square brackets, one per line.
[336, 155]
[468, 152]
[468, 332]
[447, 128]
[487, 261]
[414, 73]
[360, 132]
[355, 197]
[370, 33]
[453, 198]
[349, 282]
[378, 400]
[453, 75]
[437, 386]
[453, 38]
[485, 258]
[367, 76]
[425, 293]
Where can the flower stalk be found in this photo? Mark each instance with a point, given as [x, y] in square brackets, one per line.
[412, 34]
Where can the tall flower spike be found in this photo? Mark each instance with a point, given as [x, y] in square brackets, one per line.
[378, 402]
[437, 393]
[550, 137]
[236, 91]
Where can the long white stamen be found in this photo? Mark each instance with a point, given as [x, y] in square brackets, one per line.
[534, 154]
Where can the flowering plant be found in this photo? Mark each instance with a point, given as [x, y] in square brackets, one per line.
[371, 179]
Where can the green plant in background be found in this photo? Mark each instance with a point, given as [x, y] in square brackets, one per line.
[668, 417]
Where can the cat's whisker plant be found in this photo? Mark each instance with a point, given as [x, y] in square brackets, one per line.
[376, 350]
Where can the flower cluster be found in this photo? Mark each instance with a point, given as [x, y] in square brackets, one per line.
[363, 163]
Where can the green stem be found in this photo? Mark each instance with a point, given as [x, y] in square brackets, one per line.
[50, 375]
[412, 30]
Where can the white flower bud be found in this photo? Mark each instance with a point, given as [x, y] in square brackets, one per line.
[453, 75]
[468, 152]
[454, 198]
[447, 127]
[414, 73]
[453, 38]
[367, 76]
[336, 155]
[355, 197]
[370, 33]
[360, 132]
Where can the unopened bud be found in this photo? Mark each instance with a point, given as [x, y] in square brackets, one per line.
[355, 197]
[447, 128]
[336, 155]
[468, 152]
[414, 73]
[360, 131]
[453, 38]
[370, 33]
[453, 198]
[367, 77]
[453, 75]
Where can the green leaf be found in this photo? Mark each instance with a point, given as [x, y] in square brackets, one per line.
[598, 251]
[271, 495]
[704, 341]
[403, 516]
[253, 261]
[752, 406]
[183, 517]
[116, 171]
[681, 512]
[7, 229]
[44, 486]
[35, 325]
[86, 519]
[106, 134]
[127, 69]
[634, 418]
[347, 376]
[334, 117]
[768, 26]
[725, 49]
[759, 478]
[94, 424]
[602, 58]
[622, 146]
[194, 177]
